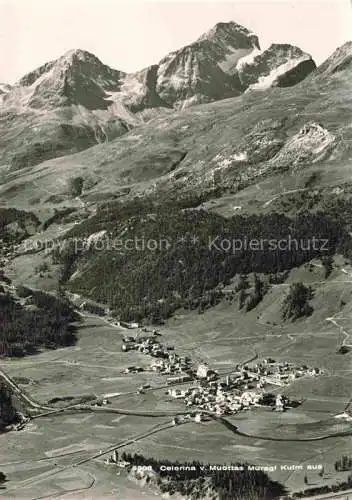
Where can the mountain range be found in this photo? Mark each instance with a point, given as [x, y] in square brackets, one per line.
[76, 101]
[223, 62]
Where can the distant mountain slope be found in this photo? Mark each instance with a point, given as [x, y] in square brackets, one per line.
[138, 283]
[76, 101]
[4, 88]
[61, 107]
[340, 60]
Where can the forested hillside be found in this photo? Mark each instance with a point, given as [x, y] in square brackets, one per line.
[34, 321]
[148, 265]
[8, 413]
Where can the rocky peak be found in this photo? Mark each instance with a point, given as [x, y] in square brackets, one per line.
[66, 62]
[231, 33]
[80, 61]
[79, 55]
[205, 70]
[77, 77]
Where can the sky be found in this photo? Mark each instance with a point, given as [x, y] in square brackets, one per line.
[132, 34]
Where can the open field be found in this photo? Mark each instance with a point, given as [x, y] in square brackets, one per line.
[61, 441]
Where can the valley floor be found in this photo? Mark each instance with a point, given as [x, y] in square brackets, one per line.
[40, 460]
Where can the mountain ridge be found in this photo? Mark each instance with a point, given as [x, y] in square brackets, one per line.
[202, 71]
[76, 101]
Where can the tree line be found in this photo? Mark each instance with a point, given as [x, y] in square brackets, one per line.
[8, 412]
[24, 221]
[199, 481]
[44, 321]
[344, 463]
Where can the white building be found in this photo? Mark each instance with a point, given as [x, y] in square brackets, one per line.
[202, 370]
[177, 393]
[235, 406]
[250, 398]
[279, 405]
[158, 365]
[220, 397]
[219, 410]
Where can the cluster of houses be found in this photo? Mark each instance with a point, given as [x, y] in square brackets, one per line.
[247, 386]
[166, 360]
[278, 373]
[227, 397]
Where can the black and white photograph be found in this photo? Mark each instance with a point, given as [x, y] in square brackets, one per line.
[176, 249]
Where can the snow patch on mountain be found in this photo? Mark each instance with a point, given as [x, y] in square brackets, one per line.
[131, 85]
[243, 156]
[267, 81]
[187, 103]
[234, 56]
[116, 108]
[278, 65]
[249, 58]
[224, 161]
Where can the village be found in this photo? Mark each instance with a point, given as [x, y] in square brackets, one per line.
[255, 384]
